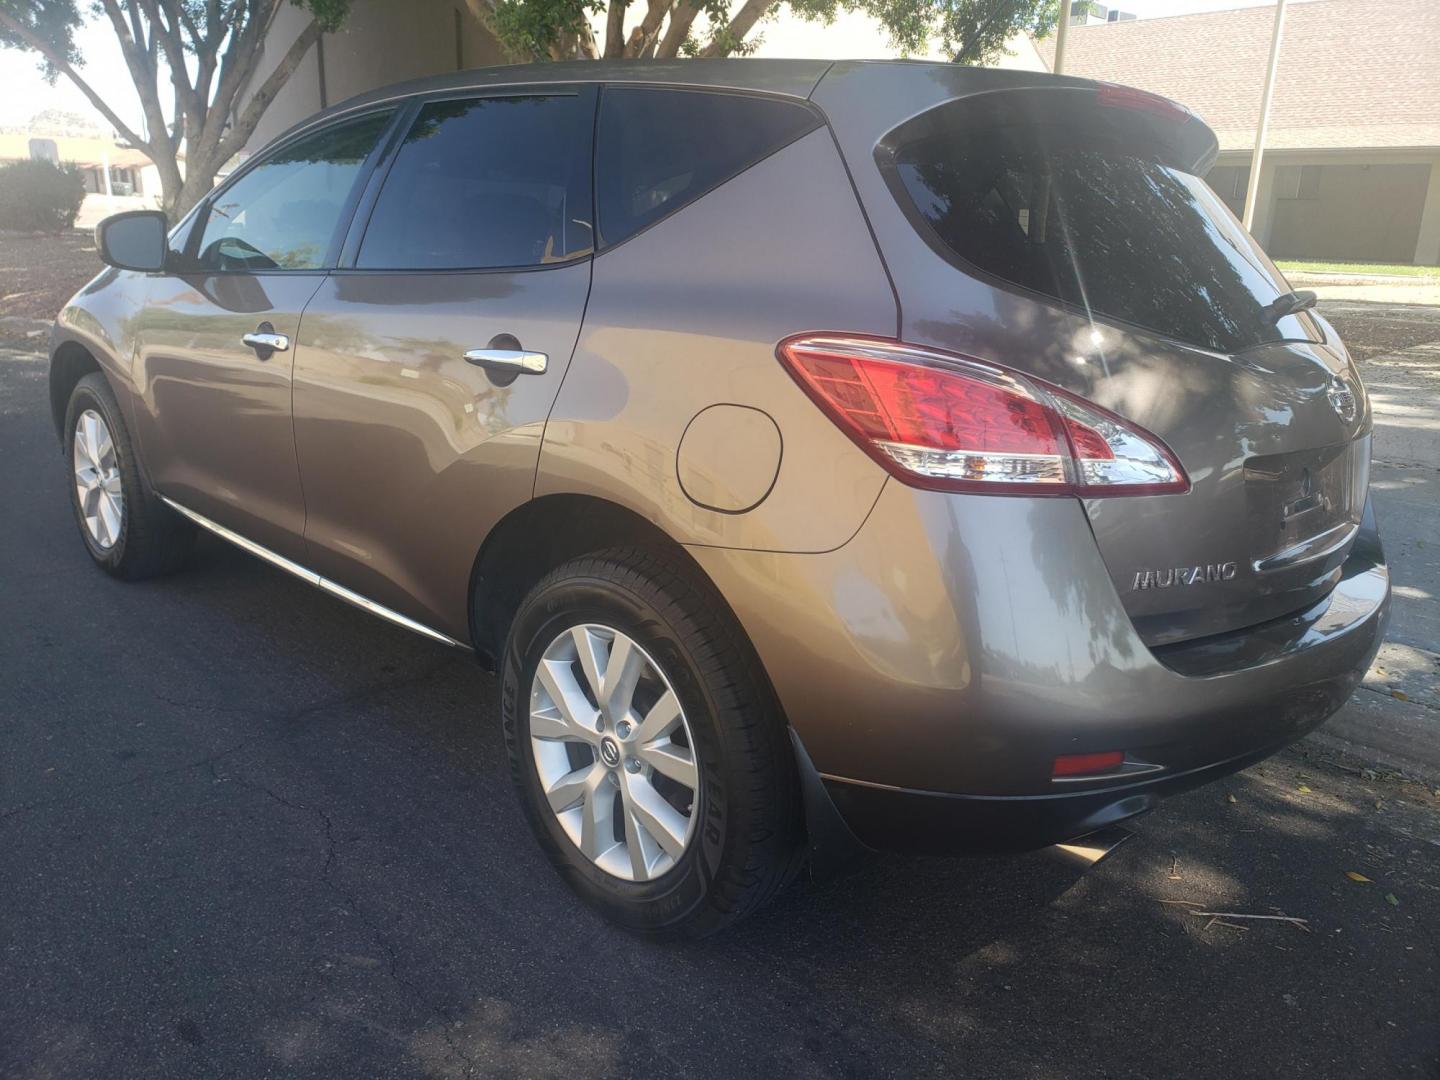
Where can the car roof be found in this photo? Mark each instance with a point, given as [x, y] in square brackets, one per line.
[787, 78]
[792, 78]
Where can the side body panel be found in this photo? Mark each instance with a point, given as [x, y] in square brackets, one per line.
[410, 454]
[686, 315]
[100, 318]
[214, 418]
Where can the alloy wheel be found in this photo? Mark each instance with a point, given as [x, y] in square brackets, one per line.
[614, 753]
[97, 479]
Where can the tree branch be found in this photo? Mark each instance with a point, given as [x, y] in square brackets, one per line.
[615, 29]
[60, 64]
[236, 66]
[244, 124]
[681, 19]
[743, 22]
[142, 73]
[586, 41]
[642, 37]
[170, 41]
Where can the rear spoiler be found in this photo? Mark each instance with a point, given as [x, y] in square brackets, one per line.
[1165, 128]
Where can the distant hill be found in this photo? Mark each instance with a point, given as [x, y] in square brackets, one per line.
[60, 122]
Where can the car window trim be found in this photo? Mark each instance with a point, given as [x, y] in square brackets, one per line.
[821, 121]
[191, 252]
[360, 222]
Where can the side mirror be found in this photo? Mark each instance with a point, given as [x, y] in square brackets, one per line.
[134, 240]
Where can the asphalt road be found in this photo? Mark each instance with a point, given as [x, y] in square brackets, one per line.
[247, 831]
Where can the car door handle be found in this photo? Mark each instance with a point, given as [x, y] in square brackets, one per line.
[266, 342]
[519, 361]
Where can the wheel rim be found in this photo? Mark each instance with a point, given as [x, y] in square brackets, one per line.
[614, 752]
[97, 480]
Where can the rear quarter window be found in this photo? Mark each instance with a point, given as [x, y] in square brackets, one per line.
[1102, 224]
[658, 149]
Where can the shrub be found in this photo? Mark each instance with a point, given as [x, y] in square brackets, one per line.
[36, 196]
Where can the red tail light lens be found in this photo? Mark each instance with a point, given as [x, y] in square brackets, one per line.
[1116, 96]
[943, 421]
[1088, 764]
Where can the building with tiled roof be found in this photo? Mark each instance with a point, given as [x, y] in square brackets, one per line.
[1352, 160]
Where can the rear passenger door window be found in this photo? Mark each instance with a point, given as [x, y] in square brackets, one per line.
[486, 183]
[658, 150]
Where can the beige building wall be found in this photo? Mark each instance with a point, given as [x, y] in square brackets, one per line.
[1364, 212]
[1361, 205]
[384, 42]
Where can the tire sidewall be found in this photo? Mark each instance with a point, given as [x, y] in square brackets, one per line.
[91, 393]
[667, 900]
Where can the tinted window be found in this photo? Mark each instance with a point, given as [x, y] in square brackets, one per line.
[660, 149]
[487, 182]
[1101, 226]
[283, 214]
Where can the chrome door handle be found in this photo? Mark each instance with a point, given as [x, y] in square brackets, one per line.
[266, 342]
[519, 361]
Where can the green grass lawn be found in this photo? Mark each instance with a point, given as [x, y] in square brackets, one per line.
[1300, 266]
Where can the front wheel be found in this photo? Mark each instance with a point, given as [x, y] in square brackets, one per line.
[646, 748]
[127, 530]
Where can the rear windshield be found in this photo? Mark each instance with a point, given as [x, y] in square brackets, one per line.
[1099, 225]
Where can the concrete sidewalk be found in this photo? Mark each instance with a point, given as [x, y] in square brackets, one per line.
[1394, 721]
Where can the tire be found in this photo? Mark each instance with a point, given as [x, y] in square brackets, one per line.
[136, 536]
[746, 826]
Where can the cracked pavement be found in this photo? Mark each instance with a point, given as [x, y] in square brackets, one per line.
[247, 831]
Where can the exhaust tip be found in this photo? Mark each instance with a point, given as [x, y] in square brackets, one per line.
[1086, 851]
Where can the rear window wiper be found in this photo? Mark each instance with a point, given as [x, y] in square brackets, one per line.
[1289, 303]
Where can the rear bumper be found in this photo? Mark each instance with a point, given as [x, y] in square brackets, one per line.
[933, 823]
[936, 666]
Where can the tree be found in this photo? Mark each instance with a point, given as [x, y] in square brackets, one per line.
[970, 31]
[208, 50]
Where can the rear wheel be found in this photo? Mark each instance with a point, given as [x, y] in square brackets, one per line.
[645, 745]
[128, 531]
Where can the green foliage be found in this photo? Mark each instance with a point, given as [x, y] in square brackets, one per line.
[330, 14]
[36, 196]
[534, 28]
[53, 21]
[968, 31]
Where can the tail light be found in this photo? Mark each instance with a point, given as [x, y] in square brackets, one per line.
[1071, 765]
[937, 420]
[1116, 96]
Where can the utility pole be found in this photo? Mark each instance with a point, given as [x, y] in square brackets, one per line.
[1252, 189]
[1060, 29]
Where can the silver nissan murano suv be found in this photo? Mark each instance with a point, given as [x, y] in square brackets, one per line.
[825, 456]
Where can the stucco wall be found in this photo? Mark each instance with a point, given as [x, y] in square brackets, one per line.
[385, 42]
[1360, 212]
[1370, 206]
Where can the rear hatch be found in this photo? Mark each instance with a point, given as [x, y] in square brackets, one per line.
[1084, 250]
